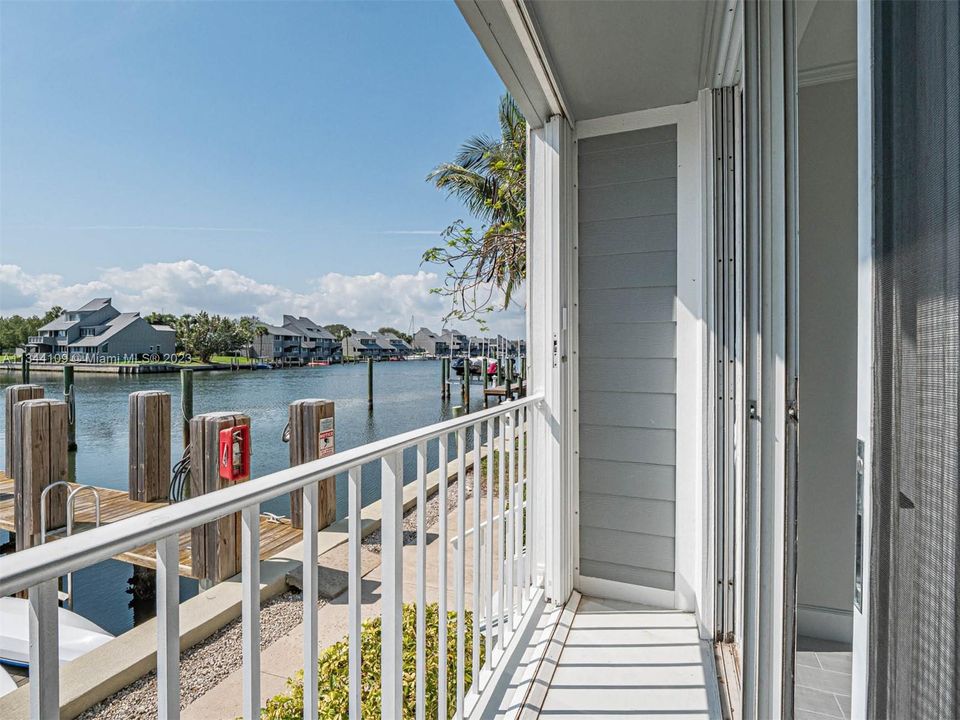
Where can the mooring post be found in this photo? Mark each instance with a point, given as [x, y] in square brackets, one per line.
[466, 385]
[485, 371]
[149, 446]
[369, 382]
[39, 460]
[70, 398]
[186, 403]
[508, 390]
[25, 368]
[215, 547]
[443, 378]
[13, 395]
[312, 426]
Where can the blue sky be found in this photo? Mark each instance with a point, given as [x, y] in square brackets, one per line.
[233, 154]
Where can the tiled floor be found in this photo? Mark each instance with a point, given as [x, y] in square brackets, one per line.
[623, 660]
[823, 679]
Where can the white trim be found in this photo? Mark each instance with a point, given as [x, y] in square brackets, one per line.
[628, 592]
[861, 619]
[625, 122]
[828, 73]
[826, 623]
[525, 29]
[723, 44]
[688, 532]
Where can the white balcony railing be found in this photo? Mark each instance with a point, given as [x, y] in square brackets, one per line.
[508, 560]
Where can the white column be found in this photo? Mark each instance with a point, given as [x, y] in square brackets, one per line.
[550, 224]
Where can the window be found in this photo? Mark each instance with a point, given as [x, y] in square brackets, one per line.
[105, 347]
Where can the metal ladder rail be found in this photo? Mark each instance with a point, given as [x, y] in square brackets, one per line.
[71, 503]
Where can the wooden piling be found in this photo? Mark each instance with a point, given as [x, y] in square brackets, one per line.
[39, 460]
[312, 425]
[25, 368]
[13, 395]
[186, 403]
[466, 385]
[369, 382]
[443, 378]
[215, 547]
[149, 446]
[70, 398]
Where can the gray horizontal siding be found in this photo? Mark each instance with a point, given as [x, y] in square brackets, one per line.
[654, 517]
[622, 236]
[628, 340]
[628, 305]
[627, 574]
[653, 375]
[633, 164]
[624, 444]
[621, 141]
[654, 552]
[628, 479]
[628, 369]
[635, 199]
[652, 269]
[632, 410]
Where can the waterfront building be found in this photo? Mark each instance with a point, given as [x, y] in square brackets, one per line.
[430, 343]
[275, 344]
[360, 344]
[457, 342]
[98, 332]
[392, 345]
[317, 343]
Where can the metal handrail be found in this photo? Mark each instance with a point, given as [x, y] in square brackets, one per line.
[35, 565]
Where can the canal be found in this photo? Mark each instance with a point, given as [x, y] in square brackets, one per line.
[406, 397]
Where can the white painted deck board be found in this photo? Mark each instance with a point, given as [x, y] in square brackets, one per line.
[625, 660]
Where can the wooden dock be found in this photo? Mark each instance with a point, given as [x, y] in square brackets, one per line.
[275, 535]
[518, 390]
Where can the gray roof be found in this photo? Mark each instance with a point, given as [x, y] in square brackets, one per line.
[280, 331]
[61, 323]
[94, 305]
[113, 327]
[308, 328]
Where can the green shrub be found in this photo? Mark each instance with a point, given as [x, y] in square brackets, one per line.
[334, 672]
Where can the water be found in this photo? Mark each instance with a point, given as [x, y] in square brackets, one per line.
[406, 397]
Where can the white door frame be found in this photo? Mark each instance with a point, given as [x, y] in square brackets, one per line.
[861, 614]
[691, 521]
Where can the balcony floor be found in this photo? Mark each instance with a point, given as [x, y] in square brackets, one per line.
[625, 660]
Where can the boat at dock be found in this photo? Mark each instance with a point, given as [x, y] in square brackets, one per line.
[77, 635]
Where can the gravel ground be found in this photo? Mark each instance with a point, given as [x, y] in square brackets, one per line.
[204, 665]
[372, 541]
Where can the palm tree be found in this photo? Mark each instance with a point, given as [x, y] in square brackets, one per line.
[489, 177]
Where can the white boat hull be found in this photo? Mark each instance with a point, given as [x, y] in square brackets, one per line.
[77, 635]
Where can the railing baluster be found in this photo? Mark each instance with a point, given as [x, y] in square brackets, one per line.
[501, 535]
[477, 570]
[525, 503]
[354, 587]
[311, 508]
[168, 627]
[391, 623]
[250, 610]
[421, 579]
[511, 512]
[442, 658]
[44, 651]
[488, 549]
[460, 566]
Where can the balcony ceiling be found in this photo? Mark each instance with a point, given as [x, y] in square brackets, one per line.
[615, 57]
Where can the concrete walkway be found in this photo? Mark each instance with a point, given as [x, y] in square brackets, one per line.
[285, 656]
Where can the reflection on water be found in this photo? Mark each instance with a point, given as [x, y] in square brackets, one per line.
[406, 397]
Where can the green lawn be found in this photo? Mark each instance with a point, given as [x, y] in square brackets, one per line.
[227, 359]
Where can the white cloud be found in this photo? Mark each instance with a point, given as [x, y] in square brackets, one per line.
[359, 301]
